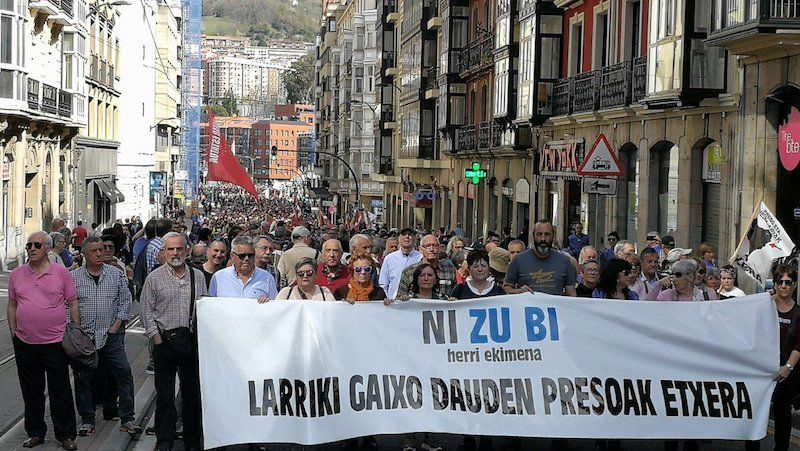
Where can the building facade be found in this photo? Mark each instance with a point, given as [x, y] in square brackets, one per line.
[95, 191]
[143, 186]
[274, 149]
[42, 108]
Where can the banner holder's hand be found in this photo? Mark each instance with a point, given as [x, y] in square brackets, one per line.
[263, 299]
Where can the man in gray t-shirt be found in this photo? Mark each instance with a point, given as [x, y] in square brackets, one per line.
[541, 269]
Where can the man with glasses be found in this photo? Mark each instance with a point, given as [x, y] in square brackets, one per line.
[38, 293]
[105, 301]
[331, 272]
[397, 261]
[166, 307]
[429, 249]
[243, 279]
[590, 275]
[541, 269]
[611, 240]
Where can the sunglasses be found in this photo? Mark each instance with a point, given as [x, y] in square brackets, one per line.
[701, 271]
[33, 244]
[651, 238]
[363, 269]
[678, 275]
[245, 255]
[784, 282]
[308, 273]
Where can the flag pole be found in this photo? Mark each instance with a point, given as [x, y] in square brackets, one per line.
[753, 217]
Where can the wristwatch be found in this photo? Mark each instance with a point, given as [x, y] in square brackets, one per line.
[789, 365]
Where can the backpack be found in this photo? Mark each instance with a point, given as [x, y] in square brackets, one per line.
[139, 274]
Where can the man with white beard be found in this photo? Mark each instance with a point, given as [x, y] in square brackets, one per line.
[168, 299]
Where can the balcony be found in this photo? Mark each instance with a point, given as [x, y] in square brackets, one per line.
[387, 113]
[390, 11]
[616, 85]
[613, 86]
[94, 67]
[33, 94]
[476, 57]
[66, 6]
[64, 103]
[46, 7]
[427, 148]
[389, 62]
[49, 99]
[111, 74]
[639, 78]
[478, 137]
[484, 132]
[386, 166]
[431, 82]
[754, 27]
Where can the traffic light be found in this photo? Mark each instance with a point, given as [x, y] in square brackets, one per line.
[274, 153]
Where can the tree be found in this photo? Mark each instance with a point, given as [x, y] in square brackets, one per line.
[299, 79]
[230, 104]
[218, 110]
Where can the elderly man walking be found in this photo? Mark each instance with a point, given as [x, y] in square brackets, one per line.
[331, 272]
[105, 300]
[397, 261]
[37, 295]
[301, 237]
[168, 298]
[243, 279]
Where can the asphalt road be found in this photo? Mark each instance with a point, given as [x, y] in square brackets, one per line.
[109, 438]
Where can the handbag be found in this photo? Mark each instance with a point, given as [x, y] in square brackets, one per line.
[181, 339]
[79, 346]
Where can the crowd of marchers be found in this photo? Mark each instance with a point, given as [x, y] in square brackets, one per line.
[278, 249]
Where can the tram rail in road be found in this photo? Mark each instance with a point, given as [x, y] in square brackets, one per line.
[9, 430]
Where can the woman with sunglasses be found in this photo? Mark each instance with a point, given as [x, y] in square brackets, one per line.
[614, 281]
[700, 281]
[305, 285]
[683, 288]
[478, 285]
[785, 278]
[361, 286]
[635, 282]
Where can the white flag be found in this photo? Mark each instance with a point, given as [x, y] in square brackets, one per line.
[764, 242]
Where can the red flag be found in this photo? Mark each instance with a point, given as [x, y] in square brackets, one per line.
[222, 165]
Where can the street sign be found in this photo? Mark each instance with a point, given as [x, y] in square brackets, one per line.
[601, 160]
[593, 185]
[327, 203]
[475, 173]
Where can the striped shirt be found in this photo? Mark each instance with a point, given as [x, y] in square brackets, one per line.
[102, 302]
[166, 299]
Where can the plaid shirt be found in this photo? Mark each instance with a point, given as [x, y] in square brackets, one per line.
[166, 299]
[102, 302]
[444, 269]
[152, 252]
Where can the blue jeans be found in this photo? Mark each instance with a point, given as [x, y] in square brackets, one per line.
[113, 356]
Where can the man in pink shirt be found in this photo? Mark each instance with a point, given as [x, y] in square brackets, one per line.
[38, 294]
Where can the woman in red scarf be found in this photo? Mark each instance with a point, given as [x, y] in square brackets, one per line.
[361, 286]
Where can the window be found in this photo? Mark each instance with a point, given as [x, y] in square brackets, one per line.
[665, 18]
[600, 45]
[526, 66]
[632, 48]
[576, 48]
[359, 79]
[6, 41]
[370, 78]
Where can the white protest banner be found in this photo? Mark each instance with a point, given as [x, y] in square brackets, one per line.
[537, 365]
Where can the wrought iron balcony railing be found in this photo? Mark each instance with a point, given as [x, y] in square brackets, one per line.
[64, 103]
[49, 99]
[33, 94]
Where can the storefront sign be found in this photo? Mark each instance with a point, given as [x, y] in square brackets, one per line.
[377, 203]
[712, 164]
[508, 191]
[789, 141]
[475, 174]
[407, 197]
[424, 198]
[561, 157]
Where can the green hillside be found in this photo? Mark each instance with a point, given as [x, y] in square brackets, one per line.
[262, 19]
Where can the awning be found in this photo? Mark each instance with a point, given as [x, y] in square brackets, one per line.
[109, 190]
